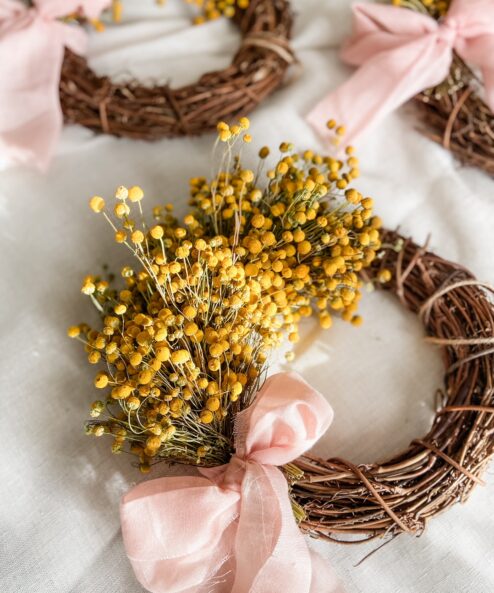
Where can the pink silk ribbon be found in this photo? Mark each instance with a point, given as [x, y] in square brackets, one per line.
[32, 45]
[233, 530]
[400, 53]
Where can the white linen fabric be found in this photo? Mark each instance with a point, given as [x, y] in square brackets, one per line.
[60, 490]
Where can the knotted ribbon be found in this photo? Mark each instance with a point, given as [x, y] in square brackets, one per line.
[32, 45]
[233, 530]
[400, 53]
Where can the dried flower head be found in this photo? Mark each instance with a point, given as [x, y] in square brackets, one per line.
[185, 340]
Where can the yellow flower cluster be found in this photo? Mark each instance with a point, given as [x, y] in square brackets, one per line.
[185, 340]
[210, 10]
[436, 8]
[214, 9]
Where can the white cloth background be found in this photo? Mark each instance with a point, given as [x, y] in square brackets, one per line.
[60, 490]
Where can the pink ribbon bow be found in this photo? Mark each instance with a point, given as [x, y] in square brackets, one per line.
[233, 530]
[400, 53]
[32, 44]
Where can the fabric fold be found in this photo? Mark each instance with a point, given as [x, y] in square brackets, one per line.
[32, 46]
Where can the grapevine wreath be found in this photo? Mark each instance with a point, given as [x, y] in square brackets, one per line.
[135, 111]
[437, 470]
[185, 345]
[48, 38]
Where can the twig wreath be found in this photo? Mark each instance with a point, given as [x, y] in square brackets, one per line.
[430, 51]
[135, 111]
[185, 345]
[438, 470]
[52, 76]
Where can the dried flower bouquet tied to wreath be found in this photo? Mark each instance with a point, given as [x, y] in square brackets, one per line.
[438, 53]
[138, 111]
[186, 341]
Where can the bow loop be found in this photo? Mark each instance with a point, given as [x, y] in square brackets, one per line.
[233, 530]
[375, 30]
[287, 418]
[400, 53]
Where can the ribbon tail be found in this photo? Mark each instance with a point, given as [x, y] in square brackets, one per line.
[31, 119]
[383, 83]
[323, 577]
[179, 534]
[272, 554]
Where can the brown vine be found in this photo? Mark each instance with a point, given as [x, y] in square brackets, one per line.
[341, 499]
[135, 111]
[455, 115]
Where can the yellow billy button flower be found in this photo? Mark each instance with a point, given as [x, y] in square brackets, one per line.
[180, 357]
[137, 237]
[135, 194]
[121, 193]
[88, 288]
[101, 380]
[157, 232]
[135, 359]
[325, 320]
[121, 210]
[97, 204]
[73, 331]
[304, 248]
[120, 236]
[163, 354]
[213, 404]
[189, 312]
[133, 402]
[190, 328]
[384, 276]
[145, 376]
[206, 416]
[216, 350]
[258, 221]
[255, 246]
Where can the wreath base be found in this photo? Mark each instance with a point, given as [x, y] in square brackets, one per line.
[401, 494]
[134, 111]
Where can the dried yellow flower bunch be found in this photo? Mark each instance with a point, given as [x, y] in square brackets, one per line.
[185, 340]
[436, 8]
[214, 9]
[210, 9]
